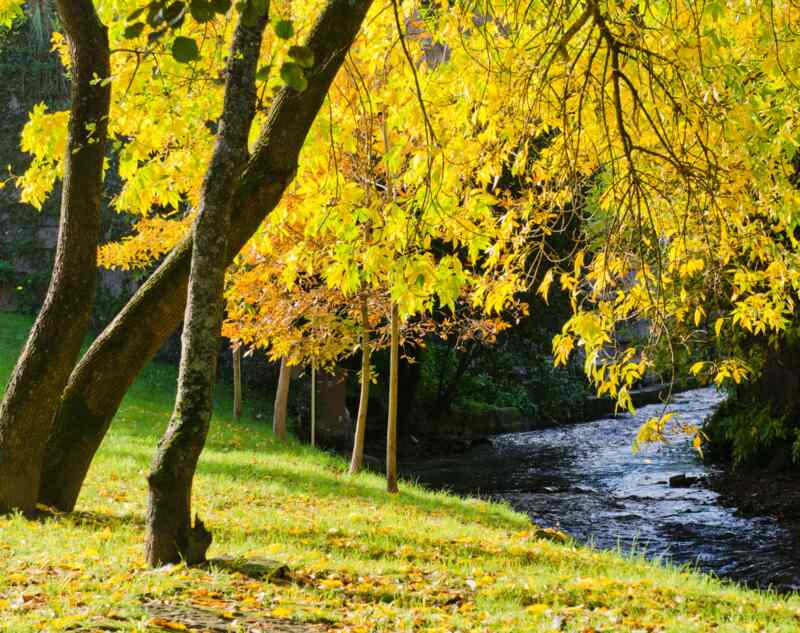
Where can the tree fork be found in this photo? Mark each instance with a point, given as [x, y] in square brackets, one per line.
[43, 368]
[99, 382]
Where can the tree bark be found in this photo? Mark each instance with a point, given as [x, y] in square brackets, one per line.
[43, 368]
[391, 431]
[99, 382]
[357, 460]
[169, 518]
[237, 382]
[281, 400]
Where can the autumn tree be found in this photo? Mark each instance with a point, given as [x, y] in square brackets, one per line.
[377, 234]
[681, 116]
[102, 377]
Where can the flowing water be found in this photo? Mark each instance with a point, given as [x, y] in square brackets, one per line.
[585, 480]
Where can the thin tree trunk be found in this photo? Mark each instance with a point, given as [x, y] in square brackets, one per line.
[99, 382]
[170, 535]
[282, 400]
[43, 368]
[313, 403]
[237, 382]
[391, 431]
[357, 460]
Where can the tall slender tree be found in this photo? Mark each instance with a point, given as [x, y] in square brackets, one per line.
[43, 369]
[170, 535]
[357, 459]
[391, 429]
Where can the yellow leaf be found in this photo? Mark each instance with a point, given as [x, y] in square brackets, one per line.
[168, 624]
[330, 583]
[281, 612]
[697, 368]
[537, 609]
[544, 287]
[699, 313]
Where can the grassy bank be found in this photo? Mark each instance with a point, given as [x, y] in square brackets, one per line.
[359, 560]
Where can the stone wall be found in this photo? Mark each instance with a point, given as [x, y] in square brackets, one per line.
[30, 73]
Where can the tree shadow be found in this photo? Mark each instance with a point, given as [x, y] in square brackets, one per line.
[86, 518]
[332, 481]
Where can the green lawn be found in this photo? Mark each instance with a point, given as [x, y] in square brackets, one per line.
[359, 560]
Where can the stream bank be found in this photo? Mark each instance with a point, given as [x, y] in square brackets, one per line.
[585, 480]
[760, 493]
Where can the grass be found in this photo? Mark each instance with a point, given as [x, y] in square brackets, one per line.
[359, 560]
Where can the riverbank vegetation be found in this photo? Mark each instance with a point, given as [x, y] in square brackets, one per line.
[358, 560]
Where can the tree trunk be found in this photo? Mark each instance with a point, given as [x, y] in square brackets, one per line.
[357, 460]
[237, 382]
[334, 425]
[43, 368]
[99, 382]
[281, 400]
[391, 431]
[170, 536]
[313, 415]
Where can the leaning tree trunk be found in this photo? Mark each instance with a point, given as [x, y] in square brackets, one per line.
[357, 460]
[99, 382]
[170, 536]
[43, 368]
[391, 431]
[282, 400]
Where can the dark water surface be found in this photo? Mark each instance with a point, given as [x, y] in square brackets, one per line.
[585, 480]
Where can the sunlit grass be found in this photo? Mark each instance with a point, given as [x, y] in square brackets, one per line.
[359, 559]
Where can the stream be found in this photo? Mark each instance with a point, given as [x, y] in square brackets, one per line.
[585, 480]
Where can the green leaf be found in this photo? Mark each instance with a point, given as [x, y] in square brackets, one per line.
[133, 30]
[303, 55]
[714, 9]
[184, 49]
[133, 16]
[220, 6]
[284, 29]
[155, 13]
[201, 11]
[253, 11]
[263, 72]
[177, 22]
[293, 76]
[174, 11]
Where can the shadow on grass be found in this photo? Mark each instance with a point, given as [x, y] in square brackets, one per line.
[330, 480]
[84, 518]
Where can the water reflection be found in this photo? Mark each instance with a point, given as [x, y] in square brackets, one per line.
[585, 480]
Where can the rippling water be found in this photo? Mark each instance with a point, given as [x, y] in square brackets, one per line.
[584, 479]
